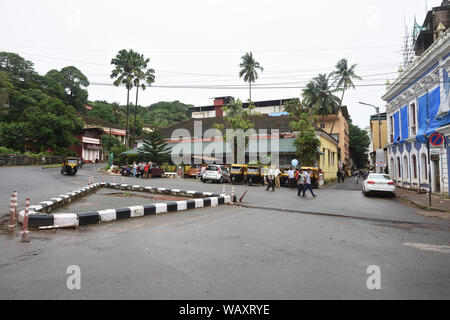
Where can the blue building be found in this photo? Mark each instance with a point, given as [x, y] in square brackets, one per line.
[417, 105]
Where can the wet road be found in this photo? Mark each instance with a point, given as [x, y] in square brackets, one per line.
[278, 247]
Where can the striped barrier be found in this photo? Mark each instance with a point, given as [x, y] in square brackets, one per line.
[37, 218]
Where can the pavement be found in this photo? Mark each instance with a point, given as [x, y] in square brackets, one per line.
[273, 245]
[439, 203]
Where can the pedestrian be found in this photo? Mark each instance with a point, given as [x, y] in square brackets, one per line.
[339, 176]
[142, 168]
[96, 159]
[134, 169]
[307, 177]
[356, 174]
[291, 176]
[146, 169]
[271, 178]
[343, 175]
[301, 182]
[277, 177]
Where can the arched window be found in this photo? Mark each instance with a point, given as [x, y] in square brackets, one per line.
[414, 166]
[392, 168]
[405, 167]
[399, 168]
[424, 169]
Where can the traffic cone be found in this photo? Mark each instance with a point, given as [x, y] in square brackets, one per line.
[25, 221]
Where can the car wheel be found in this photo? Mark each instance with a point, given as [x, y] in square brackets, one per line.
[203, 180]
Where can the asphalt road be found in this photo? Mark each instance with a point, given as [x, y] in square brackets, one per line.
[274, 245]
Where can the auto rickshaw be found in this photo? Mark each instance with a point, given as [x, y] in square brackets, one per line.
[284, 178]
[69, 165]
[238, 173]
[254, 175]
[314, 175]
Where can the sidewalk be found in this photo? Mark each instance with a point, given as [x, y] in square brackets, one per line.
[437, 202]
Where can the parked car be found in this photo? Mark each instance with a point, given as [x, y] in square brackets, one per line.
[378, 183]
[155, 170]
[194, 171]
[216, 173]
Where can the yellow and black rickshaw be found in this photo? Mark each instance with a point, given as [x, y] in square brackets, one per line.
[69, 165]
[314, 175]
[284, 178]
[254, 175]
[238, 173]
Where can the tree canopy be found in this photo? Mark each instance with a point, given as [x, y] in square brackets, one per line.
[359, 142]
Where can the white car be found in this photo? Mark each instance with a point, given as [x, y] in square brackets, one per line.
[378, 183]
[216, 173]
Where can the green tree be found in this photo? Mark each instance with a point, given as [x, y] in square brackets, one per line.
[74, 82]
[359, 143]
[102, 110]
[249, 67]
[303, 122]
[143, 76]
[108, 142]
[125, 64]
[344, 77]
[19, 70]
[154, 147]
[236, 118]
[320, 96]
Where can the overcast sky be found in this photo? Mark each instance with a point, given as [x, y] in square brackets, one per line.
[199, 43]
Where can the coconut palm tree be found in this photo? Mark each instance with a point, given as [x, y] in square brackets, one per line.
[344, 77]
[125, 64]
[320, 96]
[143, 77]
[249, 67]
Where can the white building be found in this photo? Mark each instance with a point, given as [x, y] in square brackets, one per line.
[417, 106]
[215, 110]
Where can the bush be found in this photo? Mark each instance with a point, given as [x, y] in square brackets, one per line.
[4, 150]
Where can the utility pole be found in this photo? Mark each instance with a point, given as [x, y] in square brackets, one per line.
[377, 109]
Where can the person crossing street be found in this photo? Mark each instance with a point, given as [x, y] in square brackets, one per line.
[307, 177]
[271, 178]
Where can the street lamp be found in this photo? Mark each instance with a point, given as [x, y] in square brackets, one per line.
[377, 109]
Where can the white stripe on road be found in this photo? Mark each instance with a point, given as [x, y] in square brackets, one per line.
[428, 247]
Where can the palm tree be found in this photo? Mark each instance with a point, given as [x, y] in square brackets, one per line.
[344, 77]
[319, 96]
[248, 70]
[125, 65]
[145, 75]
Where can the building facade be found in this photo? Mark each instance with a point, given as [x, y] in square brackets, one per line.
[378, 140]
[416, 107]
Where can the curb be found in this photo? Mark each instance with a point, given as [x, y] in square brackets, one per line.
[39, 214]
[421, 206]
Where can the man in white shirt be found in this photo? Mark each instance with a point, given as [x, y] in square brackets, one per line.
[271, 178]
[291, 176]
[307, 177]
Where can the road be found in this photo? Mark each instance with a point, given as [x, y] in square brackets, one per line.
[273, 245]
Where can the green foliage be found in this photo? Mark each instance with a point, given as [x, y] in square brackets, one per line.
[359, 143]
[164, 113]
[4, 150]
[103, 110]
[35, 114]
[306, 141]
[154, 148]
[68, 85]
[108, 142]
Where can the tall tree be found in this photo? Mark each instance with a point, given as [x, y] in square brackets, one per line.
[143, 76]
[303, 122]
[125, 65]
[74, 84]
[344, 77]
[155, 147]
[359, 142]
[249, 67]
[320, 96]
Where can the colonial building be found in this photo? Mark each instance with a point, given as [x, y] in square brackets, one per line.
[416, 107]
[377, 131]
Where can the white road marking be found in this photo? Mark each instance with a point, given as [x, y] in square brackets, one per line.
[429, 247]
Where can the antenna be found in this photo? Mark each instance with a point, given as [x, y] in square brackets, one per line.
[408, 47]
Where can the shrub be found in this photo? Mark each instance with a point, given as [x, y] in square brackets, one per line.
[4, 150]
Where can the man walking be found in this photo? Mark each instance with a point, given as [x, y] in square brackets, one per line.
[271, 179]
[307, 177]
[339, 176]
[301, 182]
[277, 177]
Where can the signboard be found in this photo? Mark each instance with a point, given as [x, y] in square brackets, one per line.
[436, 139]
[380, 164]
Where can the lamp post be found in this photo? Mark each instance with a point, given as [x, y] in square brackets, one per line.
[377, 109]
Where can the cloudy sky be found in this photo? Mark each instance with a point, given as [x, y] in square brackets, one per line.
[195, 46]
